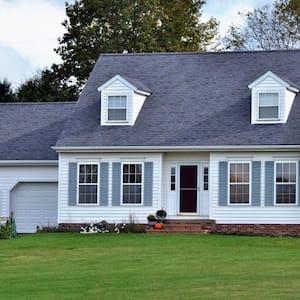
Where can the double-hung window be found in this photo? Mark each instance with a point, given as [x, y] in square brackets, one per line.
[239, 183]
[117, 108]
[132, 183]
[88, 184]
[268, 107]
[286, 175]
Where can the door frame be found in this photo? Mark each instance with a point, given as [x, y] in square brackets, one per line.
[199, 174]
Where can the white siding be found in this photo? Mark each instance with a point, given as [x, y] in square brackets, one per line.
[96, 213]
[138, 102]
[235, 214]
[11, 175]
[290, 96]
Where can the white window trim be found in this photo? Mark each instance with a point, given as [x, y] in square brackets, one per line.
[104, 108]
[98, 182]
[255, 105]
[142, 183]
[258, 105]
[296, 183]
[250, 183]
[127, 106]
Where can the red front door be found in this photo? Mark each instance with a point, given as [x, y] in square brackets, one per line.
[188, 189]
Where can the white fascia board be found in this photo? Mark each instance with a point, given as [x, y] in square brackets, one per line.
[116, 77]
[293, 89]
[264, 76]
[265, 148]
[28, 162]
[140, 92]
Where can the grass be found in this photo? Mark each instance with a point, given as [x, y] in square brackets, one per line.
[128, 266]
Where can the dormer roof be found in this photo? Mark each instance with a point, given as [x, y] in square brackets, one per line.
[284, 82]
[133, 84]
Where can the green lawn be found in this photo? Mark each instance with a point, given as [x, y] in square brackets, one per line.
[128, 266]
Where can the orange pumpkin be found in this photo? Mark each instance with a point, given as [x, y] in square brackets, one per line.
[158, 226]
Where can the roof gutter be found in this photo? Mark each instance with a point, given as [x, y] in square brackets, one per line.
[237, 148]
[28, 162]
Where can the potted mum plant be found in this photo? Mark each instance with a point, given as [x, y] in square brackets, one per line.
[151, 220]
[161, 215]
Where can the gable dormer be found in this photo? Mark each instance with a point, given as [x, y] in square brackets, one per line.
[122, 100]
[271, 99]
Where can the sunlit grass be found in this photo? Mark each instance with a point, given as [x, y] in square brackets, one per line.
[128, 266]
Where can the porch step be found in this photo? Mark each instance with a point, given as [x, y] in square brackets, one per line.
[192, 227]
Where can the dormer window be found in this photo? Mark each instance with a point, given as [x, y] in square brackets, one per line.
[122, 100]
[117, 108]
[271, 99]
[268, 106]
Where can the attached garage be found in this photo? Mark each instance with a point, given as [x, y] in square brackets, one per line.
[34, 204]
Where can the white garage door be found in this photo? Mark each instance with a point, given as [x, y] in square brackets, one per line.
[34, 204]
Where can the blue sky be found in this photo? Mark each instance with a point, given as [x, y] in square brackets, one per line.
[29, 30]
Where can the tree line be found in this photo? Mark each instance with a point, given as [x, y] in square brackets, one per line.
[135, 26]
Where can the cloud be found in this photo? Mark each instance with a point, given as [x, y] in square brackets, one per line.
[30, 28]
[13, 66]
[226, 11]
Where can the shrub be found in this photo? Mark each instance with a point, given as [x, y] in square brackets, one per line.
[135, 228]
[5, 230]
[161, 213]
[151, 218]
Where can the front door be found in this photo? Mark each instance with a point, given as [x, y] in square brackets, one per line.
[188, 189]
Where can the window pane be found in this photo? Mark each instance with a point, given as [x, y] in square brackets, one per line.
[270, 112]
[117, 102]
[132, 169]
[125, 178]
[286, 193]
[82, 168]
[88, 169]
[117, 114]
[138, 178]
[94, 178]
[125, 168]
[239, 172]
[239, 193]
[138, 168]
[268, 99]
[95, 169]
[88, 178]
[81, 178]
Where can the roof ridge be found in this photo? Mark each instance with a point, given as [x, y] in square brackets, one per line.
[199, 53]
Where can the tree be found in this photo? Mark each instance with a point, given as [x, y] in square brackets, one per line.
[113, 26]
[6, 92]
[46, 87]
[267, 28]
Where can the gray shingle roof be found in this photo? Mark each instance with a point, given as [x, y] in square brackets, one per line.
[198, 99]
[29, 130]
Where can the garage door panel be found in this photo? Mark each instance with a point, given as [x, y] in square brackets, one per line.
[34, 204]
